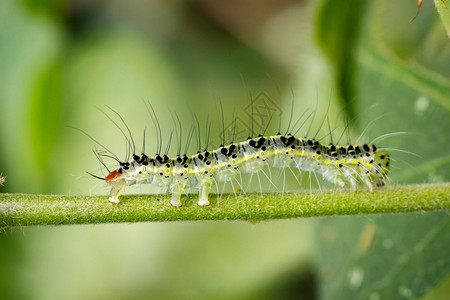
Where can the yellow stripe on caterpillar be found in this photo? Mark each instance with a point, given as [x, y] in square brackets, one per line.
[351, 165]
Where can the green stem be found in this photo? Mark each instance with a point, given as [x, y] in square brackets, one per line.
[20, 209]
[443, 8]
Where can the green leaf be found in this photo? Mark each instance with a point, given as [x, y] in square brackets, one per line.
[401, 78]
[337, 33]
[443, 9]
[403, 69]
[383, 257]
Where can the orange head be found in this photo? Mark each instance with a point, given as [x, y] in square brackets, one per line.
[113, 176]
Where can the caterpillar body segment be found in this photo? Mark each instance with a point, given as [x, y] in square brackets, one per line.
[350, 165]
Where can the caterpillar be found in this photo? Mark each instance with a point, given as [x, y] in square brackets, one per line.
[351, 165]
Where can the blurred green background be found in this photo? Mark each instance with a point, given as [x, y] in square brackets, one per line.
[62, 59]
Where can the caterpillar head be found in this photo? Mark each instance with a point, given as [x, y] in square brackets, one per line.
[117, 182]
[113, 176]
[381, 164]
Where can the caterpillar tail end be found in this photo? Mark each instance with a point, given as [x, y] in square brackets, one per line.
[381, 168]
[380, 183]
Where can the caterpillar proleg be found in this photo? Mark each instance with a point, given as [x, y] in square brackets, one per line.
[353, 165]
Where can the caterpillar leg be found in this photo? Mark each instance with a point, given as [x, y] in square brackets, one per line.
[116, 190]
[203, 196]
[176, 190]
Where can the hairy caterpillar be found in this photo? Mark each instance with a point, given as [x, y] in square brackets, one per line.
[343, 165]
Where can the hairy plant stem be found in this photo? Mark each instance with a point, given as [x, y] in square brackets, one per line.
[25, 210]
